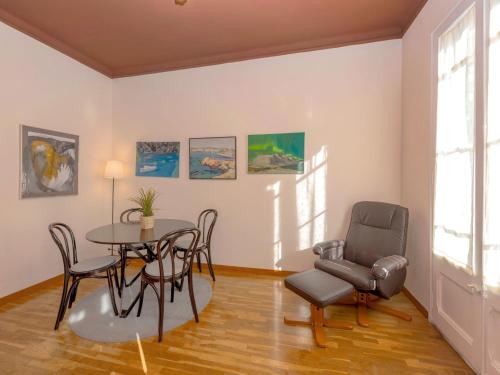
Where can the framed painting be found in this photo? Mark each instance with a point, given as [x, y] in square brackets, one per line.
[157, 159]
[276, 153]
[212, 158]
[49, 163]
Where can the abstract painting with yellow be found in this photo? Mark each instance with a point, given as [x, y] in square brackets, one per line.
[49, 163]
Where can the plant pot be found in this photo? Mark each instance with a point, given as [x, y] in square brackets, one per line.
[147, 222]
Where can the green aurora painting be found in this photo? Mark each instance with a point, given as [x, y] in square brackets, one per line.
[276, 153]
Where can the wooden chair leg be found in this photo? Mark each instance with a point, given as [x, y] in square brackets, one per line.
[319, 336]
[209, 262]
[172, 290]
[128, 284]
[387, 310]
[66, 299]
[317, 321]
[198, 261]
[181, 284]
[117, 283]
[111, 291]
[72, 297]
[317, 318]
[141, 298]
[362, 310]
[191, 294]
[160, 317]
[61, 304]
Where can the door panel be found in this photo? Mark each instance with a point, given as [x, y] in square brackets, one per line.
[457, 310]
[492, 324]
[491, 239]
[450, 296]
[456, 262]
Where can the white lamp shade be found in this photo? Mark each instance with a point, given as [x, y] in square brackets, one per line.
[114, 169]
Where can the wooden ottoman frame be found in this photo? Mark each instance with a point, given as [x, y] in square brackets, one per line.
[329, 290]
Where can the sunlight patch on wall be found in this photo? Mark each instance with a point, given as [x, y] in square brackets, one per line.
[311, 200]
[277, 247]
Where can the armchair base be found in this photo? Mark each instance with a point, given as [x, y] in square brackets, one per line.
[365, 301]
[317, 321]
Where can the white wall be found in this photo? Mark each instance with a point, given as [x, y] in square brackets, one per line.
[41, 87]
[348, 102]
[416, 143]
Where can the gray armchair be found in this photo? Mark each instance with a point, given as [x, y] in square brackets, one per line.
[372, 256]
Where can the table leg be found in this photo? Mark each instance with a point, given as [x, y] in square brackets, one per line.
[123, 255]
[150, 252]
[124, 313]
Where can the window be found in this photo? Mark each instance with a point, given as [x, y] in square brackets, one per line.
[491, 241]
[454, 175]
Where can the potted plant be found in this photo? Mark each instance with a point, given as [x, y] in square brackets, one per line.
[145, 200]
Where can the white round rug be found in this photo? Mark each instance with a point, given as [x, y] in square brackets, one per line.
[92, 317]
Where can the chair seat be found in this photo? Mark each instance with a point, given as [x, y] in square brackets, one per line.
[359, 276]
[183, 245]
[153, 269]
[95, 264]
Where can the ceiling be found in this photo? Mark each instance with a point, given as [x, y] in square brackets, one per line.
[130, 37]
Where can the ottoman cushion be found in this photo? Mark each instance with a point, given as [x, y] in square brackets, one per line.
[318, 287]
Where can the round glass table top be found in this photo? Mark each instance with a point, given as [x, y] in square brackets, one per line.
[130, 233]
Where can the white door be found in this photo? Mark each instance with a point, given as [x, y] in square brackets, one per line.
[491, 242]
[456, 263]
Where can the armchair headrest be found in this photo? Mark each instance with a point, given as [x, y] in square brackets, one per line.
[374, 214]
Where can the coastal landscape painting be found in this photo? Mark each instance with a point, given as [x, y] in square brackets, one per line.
[276, 153]
[212, 158]
[49, 163]
[157, 159]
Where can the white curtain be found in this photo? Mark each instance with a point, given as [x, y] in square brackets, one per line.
[491, 241]
[454, 175]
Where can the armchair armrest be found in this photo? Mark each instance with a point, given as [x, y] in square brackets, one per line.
[333, 249]
[384, 266]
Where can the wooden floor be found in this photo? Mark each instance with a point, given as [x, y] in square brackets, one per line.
[240, 332]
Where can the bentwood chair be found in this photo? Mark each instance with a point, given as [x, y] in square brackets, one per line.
[167, 268]
[98, 268]
[206, 224]
[135, 251]
[371, 258]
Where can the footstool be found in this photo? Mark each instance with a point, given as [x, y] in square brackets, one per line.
[320, 289]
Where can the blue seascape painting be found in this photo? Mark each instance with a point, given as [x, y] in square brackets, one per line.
[157, 159]
[212, 158]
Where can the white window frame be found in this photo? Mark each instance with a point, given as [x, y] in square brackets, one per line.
[481, 61]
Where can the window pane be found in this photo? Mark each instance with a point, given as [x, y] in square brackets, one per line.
[461, 245]
[453, 192]
[491, 254]
[453, 196]
[453, 131]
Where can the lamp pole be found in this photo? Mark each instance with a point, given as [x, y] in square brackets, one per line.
[113, 211]
[113, 203]
[113, 171]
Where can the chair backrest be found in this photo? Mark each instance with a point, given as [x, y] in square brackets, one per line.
[64, 238]
[206, 224]
[166, 244]
[377, 230]
[125, 216]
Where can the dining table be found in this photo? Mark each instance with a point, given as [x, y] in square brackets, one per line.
[123, 235]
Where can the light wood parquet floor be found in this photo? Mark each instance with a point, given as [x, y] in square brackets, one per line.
[240, 332]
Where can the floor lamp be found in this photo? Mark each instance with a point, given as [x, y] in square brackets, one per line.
[113, 171]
